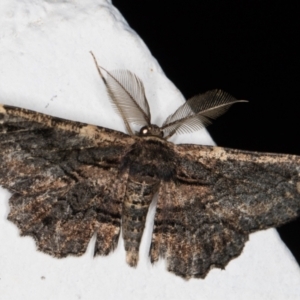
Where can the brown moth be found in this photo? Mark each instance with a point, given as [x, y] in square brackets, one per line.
[70, 180]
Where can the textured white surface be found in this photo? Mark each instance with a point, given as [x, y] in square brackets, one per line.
[45, 65]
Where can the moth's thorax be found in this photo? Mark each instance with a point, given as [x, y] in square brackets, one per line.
[151, 130]
[151, 158]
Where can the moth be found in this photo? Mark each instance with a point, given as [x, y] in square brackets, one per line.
[71, 180]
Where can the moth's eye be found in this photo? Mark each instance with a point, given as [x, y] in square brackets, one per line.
[144, 131]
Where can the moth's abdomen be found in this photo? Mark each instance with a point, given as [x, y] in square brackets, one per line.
[138, 196]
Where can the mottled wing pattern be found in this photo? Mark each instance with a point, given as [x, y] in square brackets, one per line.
[65, 180]
[220, 195]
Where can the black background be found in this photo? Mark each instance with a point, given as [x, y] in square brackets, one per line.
[248, 48]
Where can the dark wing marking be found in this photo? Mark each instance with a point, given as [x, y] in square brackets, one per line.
[220, 196]
[65, 180]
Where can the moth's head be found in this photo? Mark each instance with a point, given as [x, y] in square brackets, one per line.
[151, 130]
[127, 94]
